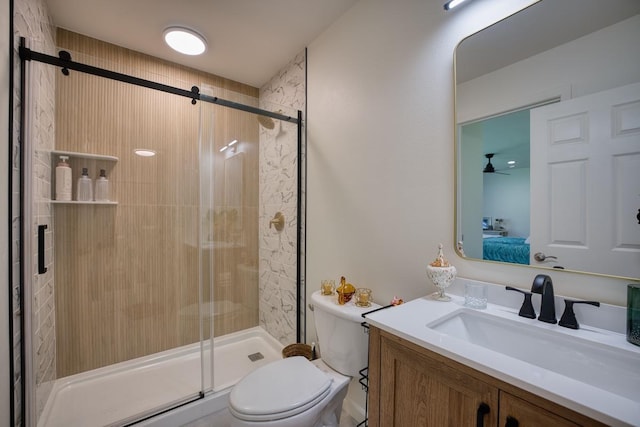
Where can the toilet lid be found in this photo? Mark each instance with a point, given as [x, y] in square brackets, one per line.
[278, 390]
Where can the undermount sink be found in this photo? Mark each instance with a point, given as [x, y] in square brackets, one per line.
[607, 367]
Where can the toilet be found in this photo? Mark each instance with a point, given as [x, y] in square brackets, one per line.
[296, 392]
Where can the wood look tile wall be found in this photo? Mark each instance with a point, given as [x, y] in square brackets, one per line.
[127, 275]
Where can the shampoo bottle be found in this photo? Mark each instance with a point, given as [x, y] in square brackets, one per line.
[102, 187]
[85, 187]
[63, 179]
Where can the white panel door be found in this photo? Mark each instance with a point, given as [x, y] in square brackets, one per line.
[585, 182]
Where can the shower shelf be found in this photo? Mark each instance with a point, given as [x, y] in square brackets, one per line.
[75, 202]
[88, 156]
[74, 158]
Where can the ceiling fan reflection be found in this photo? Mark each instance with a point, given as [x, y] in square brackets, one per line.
[489, 167]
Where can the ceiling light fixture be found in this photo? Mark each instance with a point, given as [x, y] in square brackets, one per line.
[451, 4]
[144, 152]
[185, 41]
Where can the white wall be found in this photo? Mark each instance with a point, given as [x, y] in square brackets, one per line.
[5, 363]
[507, 197]
[574, 69]
[380, 151]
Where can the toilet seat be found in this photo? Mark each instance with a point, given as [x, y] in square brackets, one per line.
[279, 390]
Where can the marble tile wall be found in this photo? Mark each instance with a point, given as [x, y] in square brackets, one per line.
[278, 193]
[32, 21]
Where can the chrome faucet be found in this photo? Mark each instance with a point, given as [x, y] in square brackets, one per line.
[543, 285]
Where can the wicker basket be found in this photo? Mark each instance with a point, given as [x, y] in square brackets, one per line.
[298, 350]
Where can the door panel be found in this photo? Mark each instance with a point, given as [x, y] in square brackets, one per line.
[585, 181]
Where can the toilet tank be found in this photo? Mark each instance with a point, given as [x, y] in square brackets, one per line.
[343, 340]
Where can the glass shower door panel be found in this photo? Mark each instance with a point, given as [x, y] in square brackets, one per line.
[127, 295]
[251, 299]
[204, 235]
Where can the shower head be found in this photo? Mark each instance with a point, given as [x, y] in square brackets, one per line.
[266, 122]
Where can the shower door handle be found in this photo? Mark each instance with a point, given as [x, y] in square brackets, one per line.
[41, 249]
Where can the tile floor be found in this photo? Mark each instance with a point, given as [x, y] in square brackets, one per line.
[222, 419]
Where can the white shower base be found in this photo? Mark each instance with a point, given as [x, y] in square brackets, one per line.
[119, 393]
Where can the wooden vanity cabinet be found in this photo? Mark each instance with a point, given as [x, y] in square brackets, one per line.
[410, 386]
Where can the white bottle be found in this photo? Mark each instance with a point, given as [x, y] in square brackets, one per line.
[63, 179]
[85, 187]
[102, 187]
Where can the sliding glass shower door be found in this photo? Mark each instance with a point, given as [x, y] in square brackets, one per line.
[249, 236]
[122, 287]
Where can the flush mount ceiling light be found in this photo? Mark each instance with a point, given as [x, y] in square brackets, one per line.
[451, 4]
[185, 41]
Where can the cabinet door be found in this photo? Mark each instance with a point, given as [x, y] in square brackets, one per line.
[515, 412]
[419, 390]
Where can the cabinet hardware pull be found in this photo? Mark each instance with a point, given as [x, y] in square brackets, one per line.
[483, 409]
[41, 249]
[511, 422]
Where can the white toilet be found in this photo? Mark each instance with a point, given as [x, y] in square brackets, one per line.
[295, 392]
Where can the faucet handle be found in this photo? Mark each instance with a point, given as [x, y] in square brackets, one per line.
[568, 319]
[527, 307]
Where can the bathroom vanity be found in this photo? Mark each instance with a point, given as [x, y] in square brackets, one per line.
[410, 385]
[431, 361]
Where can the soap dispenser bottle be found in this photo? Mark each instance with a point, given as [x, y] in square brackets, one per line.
[102, 187]
[63, 180]
[85, 187]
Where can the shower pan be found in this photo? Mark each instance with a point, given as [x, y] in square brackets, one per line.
[164, 295]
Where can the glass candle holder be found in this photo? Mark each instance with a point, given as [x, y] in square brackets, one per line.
[633, 314]
[328, 286]
[363, 297]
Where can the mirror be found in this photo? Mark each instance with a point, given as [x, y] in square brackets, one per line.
[548, 138]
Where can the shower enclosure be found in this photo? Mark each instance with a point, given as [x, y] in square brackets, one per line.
[189, 276]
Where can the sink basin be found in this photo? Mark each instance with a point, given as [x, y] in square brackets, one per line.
[607, 367]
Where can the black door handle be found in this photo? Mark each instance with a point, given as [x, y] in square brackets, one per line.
[483, 409]
[41, 264]
[511, 422]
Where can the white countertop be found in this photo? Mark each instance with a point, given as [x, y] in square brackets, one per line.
[409, 321]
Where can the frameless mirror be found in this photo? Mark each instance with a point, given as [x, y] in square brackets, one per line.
[548, 138]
